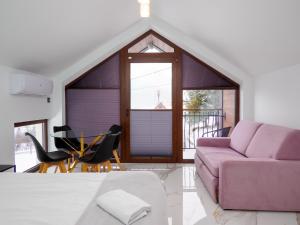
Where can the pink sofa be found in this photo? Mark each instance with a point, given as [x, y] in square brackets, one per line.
[257, 168]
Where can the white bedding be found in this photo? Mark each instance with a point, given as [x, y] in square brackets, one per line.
[46, 199]
[69, 199]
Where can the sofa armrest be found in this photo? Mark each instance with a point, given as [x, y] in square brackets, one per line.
[222, 142]
[260, 184]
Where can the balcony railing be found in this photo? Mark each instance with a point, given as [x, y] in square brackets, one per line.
[199, 123]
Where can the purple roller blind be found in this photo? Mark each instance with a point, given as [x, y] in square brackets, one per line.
[105, 75]
[151, 133]
[196, 75]
[92, 111]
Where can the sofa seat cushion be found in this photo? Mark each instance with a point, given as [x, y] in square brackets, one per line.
[213, 156]
[242, 135]
[275, 142]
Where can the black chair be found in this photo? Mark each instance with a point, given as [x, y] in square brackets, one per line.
[116, 129]
[48, 159]
[103, 152]
[222, 132]
[68, 144]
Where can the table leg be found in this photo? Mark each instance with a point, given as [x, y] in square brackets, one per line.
[82, 150]
[81, 144]
[72, 167]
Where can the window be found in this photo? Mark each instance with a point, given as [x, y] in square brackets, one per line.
[25, 153]
[151, 44]
[151, 86]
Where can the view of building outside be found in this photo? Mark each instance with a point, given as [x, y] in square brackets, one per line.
[25, 153]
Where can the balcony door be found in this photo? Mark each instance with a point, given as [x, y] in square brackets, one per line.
[148, 93]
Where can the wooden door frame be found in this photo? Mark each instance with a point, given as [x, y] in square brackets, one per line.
[126, 59]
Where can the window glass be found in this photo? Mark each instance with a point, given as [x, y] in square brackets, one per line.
[151, 85]
[25, 153]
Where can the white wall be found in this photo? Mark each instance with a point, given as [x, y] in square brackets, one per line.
[277, 97]
[16, 109]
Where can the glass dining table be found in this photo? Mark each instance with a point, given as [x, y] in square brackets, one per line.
[70, 138]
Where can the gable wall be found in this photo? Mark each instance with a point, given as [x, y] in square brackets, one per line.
[180, 39]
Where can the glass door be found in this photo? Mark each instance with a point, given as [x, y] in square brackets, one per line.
[151, 109]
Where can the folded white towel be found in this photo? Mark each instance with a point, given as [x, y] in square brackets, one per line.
[124, 206]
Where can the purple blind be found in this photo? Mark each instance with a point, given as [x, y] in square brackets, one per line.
[151, 133]
[196, 75]
[92, 111]
[106, 75]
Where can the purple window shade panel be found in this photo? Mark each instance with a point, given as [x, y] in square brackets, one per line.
[106, 75]
[151, 133]
[92, 111]
[196, 75]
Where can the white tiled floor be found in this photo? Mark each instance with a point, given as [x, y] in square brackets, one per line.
[190, 204]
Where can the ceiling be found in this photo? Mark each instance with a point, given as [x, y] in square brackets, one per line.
[48, 36]
[258, 36]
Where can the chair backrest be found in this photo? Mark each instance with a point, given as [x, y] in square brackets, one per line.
[40, 151]
[225, 131]
[103, 151]
[59, 142]
[116, 129]
[61, 128]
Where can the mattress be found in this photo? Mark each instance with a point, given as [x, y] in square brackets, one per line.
[69, 199]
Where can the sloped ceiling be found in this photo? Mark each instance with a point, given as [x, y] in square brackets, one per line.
[48, 36]
[258, 36]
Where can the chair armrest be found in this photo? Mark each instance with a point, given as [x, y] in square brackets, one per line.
[222, 142]
[260, 184]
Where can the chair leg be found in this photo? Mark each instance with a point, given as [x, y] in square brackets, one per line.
[95, 168]
[84, 167]
[109, 167]
[106, 166]
[62, 167]
[102, 167]
[45, 168]
[41, 167]
[69, 164]
[56, 168]
[115, 153]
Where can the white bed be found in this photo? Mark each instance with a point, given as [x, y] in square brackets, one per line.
[69, 199]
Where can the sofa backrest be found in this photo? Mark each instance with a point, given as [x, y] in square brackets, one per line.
[242, 135]
[275, 142]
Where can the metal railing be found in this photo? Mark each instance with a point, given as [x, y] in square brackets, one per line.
[199, 123]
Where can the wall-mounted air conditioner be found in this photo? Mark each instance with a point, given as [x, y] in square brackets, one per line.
[30, 84]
